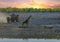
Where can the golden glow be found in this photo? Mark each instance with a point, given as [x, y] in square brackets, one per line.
[30, 3]
[35, 4]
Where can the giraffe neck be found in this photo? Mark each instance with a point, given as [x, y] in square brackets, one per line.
[28, 18]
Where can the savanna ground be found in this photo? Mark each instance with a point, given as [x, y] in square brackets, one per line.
[39, 26]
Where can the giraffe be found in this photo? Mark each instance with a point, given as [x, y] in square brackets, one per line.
[26, 21]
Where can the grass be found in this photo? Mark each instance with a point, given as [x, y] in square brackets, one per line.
[20, 33]
[3, 25]
[33, 36]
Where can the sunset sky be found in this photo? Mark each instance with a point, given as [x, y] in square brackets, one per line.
[30, 3]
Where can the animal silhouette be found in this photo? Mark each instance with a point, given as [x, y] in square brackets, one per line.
[8, 19]
[26, 21]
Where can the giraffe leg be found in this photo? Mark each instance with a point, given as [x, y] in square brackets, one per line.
[23, 24]
[26, 24]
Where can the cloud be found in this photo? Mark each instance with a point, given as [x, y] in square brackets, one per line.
[56, 6]
[30, 3]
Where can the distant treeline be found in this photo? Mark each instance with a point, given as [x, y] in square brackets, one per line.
[29, 9]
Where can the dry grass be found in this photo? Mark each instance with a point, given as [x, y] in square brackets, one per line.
[3, 25]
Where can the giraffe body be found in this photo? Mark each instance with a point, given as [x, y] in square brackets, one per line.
[26, 21]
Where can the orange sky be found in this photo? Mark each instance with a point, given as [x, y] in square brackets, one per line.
[30, 3]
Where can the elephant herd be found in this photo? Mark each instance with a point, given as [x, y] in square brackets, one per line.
[12, 18]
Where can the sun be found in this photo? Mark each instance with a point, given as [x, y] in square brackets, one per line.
[35, 7]
[35, 4]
